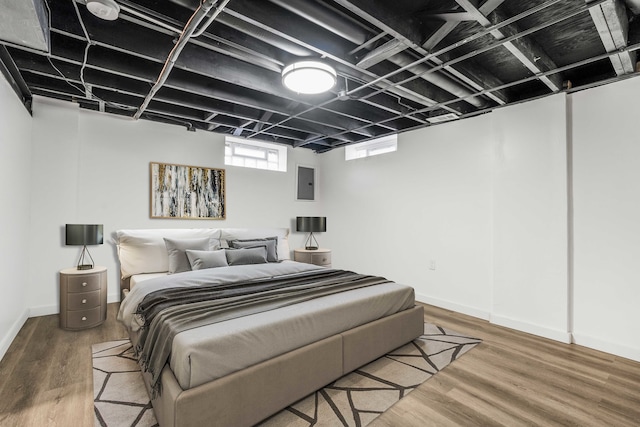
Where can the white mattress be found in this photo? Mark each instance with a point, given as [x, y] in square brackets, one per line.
[203, 354]
[137, 278]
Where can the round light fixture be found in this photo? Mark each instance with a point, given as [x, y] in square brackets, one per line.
[104, 9]
[309, 77]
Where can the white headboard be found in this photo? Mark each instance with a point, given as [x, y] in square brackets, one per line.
[144, 251]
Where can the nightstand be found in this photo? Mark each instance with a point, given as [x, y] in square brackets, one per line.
[317, 256]
[83, 298]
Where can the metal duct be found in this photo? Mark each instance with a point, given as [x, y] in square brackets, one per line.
[25, 23]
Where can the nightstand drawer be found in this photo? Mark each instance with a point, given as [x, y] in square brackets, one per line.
[81, 319]
[83, 300]
[84, 283]
[323, 258]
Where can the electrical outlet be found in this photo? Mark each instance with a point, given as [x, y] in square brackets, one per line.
[432, 264]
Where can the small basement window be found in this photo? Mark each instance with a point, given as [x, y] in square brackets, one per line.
[255, 154]
[386, 144]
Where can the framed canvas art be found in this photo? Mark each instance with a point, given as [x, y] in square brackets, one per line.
[187, 192]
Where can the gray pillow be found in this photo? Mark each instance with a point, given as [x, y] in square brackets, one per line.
[178, 261]
[270, 242]
[200, 260]
[255, 255]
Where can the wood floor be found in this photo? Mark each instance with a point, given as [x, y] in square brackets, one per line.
[511, 379]
[517, 379]
[45, 376]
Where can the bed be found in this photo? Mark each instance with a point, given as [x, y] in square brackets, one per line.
[285, 330]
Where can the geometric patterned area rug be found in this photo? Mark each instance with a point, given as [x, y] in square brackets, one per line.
[356, 399]
[119, 395]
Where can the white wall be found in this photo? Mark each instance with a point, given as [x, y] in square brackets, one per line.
[90, 167]
[485, 199]
[530, 259]
[394, 214]
[515, 235]
[606, 193]
[15, 176]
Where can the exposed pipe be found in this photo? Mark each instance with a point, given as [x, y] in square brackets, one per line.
[325, 18]
[263, 35]
[188, 31]
[148, 18]
[337, 25]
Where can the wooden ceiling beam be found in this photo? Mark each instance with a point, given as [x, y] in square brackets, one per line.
[611, 21]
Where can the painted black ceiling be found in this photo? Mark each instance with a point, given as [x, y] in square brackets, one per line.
[402, 64]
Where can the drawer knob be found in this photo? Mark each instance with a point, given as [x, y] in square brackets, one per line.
[84, 301]
[84, 284]
[84, 318]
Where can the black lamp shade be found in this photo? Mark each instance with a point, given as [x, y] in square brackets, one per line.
[311, 224]
[84, 234]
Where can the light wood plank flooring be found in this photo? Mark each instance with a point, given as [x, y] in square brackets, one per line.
[45, 376]
[517, 379]
[511, 379]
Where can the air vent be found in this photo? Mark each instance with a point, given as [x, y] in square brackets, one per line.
[25, 23]
[442, 118]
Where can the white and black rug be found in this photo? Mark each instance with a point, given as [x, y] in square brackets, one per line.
[356, 399]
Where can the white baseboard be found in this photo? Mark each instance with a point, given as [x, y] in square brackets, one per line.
[6, 341]
[530, 328]
[607, 347]
[43, 310]
[458, 308]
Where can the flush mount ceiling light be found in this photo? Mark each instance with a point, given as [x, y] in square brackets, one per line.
[309, 77]
[104, 9]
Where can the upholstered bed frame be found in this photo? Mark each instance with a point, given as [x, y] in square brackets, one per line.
[247, 397]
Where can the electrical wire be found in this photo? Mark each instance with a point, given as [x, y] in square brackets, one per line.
[86, 48]
[87, 92]
[49, 55]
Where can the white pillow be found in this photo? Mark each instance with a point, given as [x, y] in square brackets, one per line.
[144, 251]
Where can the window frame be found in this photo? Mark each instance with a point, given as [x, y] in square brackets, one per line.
[386, 144]
[245, 160]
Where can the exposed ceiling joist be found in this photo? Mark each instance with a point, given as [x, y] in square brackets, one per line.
[525, 50]
[399, 65]
[613, 27]
[477, 77]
